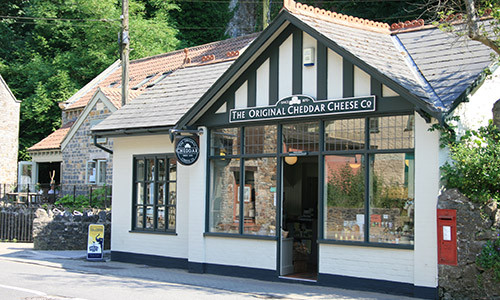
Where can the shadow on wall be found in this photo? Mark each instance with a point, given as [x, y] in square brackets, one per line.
[64, 230]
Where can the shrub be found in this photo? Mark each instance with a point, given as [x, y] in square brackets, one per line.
[475, 163]
[82, 201]
[489, 258]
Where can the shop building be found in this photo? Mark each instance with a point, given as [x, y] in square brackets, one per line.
[310, 156]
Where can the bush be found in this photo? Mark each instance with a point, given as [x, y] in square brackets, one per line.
[475, 165]
[82, 202]
[489, 258]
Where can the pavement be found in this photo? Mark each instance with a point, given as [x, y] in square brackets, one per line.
[75, 261]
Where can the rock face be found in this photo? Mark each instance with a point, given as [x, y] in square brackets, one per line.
[474, 229]
[57, 230]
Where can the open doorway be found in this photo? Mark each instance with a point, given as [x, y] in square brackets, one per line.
[299, 247]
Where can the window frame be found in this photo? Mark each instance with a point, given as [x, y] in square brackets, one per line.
[321, 153]
[168, 157]
[97, 163]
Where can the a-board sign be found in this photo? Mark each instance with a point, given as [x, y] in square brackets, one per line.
[303, 106]
[95, 242]
[187, 151]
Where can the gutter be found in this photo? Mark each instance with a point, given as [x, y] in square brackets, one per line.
[100, 146]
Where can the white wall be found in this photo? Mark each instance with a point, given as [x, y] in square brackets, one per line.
[309, 73]
[285, 68]
[335, 75]
[426, 195]
[241, 252]
[367, 262]
[153, 244]
[262, 84]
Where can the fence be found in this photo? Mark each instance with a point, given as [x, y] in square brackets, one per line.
[94, 196]
[16, 223]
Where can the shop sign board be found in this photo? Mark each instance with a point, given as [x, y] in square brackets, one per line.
[95, 242]
[303, 106]
[187, 151]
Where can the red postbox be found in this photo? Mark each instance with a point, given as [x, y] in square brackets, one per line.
[447, 236]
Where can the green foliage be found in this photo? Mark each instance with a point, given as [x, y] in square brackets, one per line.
[82, 201]
[201, 22]
[60, 45]
[489, 258]
[346, 188]
[475, 165]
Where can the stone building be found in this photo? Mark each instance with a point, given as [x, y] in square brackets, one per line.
[9, 131]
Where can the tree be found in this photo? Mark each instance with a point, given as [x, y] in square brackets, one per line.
[463, 17]
[51, 48]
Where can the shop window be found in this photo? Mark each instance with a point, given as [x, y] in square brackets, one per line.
[394, 132]
[261, 139]
[369, 196]
[225, 141]
[243, 189]
[155, 193]
[301, 137]
[96, 172]
[342, 135]
[345, 197]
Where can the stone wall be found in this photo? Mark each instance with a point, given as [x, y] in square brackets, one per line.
[81, 149]
[474, 228]
[55, 230]
[9, 131]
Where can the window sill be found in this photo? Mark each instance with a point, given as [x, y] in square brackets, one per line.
[371, 245]
[240, 236]
[153, 232]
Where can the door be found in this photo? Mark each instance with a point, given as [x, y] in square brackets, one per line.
[299, 217]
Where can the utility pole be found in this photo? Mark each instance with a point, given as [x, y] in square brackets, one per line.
[125, 49]
[265, 14]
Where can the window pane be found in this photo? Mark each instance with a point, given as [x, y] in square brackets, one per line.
[140, 193]
[225, 141]
[139, 170]
[171, 218]
[342, 135]
[391, 198]
[161, 218]
[149, 217]
[173, 169]
[345, 193]
[91, 172]
[150, 164]
[172, 192]
[394, 132]
[150, 193]
[259, 196]
[161, 193]
[302, 137]
[224, 211]
[261, 139]
[139, 218]
[102, 172]
[162, 169]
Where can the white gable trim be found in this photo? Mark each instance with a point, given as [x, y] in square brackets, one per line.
[99, 95]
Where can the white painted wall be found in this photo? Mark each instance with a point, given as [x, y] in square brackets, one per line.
[426, 195]
[154, 244]
[241, 96]
[262, 84]
[387, 92]
[241, 252]
[365, 262]
[362, 83]
[309, 73]
[197, 173]
[335, 75]
[285, 68]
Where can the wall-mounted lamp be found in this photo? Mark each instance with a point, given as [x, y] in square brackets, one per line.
[291, 160]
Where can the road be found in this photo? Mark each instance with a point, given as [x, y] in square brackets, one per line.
[49, 275]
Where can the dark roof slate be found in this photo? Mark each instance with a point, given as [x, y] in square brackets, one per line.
[165, 104]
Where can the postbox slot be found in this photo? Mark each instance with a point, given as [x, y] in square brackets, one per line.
[445, 218]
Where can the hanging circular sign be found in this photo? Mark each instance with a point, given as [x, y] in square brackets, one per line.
[187, 151]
